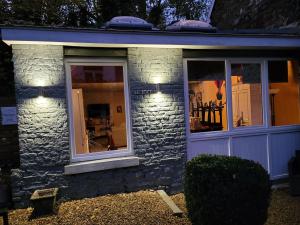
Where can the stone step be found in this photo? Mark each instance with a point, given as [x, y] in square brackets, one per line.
[176, 211]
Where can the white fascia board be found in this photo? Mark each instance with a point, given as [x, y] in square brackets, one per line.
[144, 39]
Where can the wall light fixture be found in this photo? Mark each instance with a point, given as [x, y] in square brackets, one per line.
[158, 87]
[41, 92]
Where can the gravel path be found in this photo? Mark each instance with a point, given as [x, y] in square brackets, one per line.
[143, 208]
[284, 209]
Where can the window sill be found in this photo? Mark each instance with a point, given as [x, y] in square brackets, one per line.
[103, 164]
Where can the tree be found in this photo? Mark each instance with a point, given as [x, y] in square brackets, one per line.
[28, 12]
[105, 10]
[4, 11]
[93, 13]
[187, 9]
[156, 14]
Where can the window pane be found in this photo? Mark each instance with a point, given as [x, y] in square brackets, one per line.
[98, 108]
[246, 94]
[207, 96]
[284, 93]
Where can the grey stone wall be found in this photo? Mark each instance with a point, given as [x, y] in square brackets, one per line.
[42, 123]
[242, 14]
[158, 128]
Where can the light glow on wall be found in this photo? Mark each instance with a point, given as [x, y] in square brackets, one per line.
[41, 101]
[156, 79]
[39, 83]
[160, 98]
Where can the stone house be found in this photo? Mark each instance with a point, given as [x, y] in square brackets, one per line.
[116, 110]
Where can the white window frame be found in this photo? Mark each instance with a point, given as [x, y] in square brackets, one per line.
[229, 96]
[97, 62]
[266, 128]
[186, 94]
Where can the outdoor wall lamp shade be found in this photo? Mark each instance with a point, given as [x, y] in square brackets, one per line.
[41, 92]
[41, 96]
[158, 87]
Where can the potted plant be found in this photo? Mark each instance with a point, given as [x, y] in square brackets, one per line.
[43, 201]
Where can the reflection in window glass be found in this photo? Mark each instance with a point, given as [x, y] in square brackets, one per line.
[284, 93]
[246, 94]
[98, 108]
[207, 96]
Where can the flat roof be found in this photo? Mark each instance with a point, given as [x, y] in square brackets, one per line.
[89, 37]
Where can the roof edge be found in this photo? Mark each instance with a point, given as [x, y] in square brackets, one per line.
[121, 38]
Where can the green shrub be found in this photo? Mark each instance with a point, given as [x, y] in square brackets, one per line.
[223, 190]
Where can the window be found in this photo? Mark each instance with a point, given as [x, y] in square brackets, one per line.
[98, 107]
[284, 92]
[251, 85]
[207, 96]
[246, 94]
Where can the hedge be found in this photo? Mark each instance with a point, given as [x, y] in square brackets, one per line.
[223, 190]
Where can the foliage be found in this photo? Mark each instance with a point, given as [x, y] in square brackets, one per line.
[3, 10]
[226, 190]
[156, 14]
[93, 13]
[187, 9]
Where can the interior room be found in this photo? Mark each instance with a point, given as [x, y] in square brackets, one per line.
[246, 88]
[98, 108]
[284, 92]
[207, 94]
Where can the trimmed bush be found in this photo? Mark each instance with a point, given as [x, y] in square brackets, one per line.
[223, 190]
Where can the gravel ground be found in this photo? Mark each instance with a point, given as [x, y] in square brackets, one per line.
[284, 209]
[143, 207]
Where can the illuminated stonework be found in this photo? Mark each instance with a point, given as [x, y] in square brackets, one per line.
[157, 118]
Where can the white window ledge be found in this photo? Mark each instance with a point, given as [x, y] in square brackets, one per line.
[103, 164]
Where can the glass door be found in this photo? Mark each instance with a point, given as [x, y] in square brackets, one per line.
[246, 94]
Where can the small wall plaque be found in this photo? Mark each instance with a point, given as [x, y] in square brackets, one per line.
[9, 115]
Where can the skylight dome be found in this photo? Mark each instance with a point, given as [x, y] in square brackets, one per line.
[191, 25]
[128, 22]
